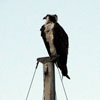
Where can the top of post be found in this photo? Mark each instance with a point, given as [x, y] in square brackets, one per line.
[47, 59]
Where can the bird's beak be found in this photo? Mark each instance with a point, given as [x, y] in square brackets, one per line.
[44, 17]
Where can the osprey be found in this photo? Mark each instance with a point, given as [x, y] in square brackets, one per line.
[56, 42]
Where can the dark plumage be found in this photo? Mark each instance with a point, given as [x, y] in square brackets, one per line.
[56, 42]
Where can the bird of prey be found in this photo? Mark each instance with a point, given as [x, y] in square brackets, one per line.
[56, 42]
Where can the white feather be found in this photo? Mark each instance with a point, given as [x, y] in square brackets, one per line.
[49, 37]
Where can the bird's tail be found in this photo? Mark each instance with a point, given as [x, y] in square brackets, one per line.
[64, 73]
[63, 70]
[68, 76]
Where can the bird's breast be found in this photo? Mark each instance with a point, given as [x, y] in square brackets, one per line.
[49, 32]
[50, 37]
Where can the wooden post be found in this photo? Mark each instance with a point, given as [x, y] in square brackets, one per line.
[49, 77]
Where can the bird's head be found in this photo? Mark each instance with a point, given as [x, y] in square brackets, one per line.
[51, 18]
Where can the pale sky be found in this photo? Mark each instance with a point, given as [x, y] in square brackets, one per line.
[21, 44]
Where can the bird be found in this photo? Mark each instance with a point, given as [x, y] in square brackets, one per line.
[56, 41]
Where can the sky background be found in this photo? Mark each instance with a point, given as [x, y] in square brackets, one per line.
[21, 44]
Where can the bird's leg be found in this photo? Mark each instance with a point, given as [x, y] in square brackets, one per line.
[55, 57]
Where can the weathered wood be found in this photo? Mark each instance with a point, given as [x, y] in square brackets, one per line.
[49, 77]
[49, 81]
[47, 59]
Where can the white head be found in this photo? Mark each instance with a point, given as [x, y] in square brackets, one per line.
[51, 18]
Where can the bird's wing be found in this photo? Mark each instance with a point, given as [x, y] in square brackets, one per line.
[44, 39]
[61, 44]
[60, 40]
